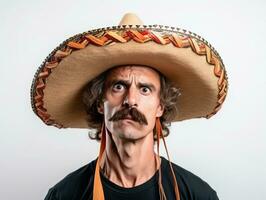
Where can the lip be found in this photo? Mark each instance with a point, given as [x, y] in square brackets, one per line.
[127, 119]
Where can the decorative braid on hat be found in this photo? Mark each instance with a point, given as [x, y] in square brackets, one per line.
[163, 35]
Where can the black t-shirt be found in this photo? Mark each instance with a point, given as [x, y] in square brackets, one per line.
[79, 186]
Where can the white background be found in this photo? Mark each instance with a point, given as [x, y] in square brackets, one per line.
[227, 151]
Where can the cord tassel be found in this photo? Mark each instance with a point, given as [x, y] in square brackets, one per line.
[160, 134]
[161, 190]
[98, 193]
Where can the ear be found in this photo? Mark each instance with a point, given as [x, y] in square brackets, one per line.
[160, 110]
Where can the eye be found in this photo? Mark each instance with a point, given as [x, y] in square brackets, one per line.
[145, 90]
[118, 87]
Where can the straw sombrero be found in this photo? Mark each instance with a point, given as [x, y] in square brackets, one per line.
[185, 58]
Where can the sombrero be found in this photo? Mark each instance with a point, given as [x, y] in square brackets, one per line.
[184, 57]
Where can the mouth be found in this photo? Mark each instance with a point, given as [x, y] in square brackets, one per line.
[128, 117]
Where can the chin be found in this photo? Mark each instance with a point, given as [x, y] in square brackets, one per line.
[129, 135]
[130, 131]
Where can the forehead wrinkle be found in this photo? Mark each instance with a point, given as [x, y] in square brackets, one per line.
[121, 73]
[128, 74]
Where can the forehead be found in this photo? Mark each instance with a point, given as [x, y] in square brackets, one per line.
[138, 73]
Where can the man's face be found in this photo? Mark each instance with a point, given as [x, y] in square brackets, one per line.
[129, 87]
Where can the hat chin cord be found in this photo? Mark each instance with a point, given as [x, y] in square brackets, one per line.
[98, 193]
[159, 133]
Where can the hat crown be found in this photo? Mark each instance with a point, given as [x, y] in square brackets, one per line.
[130, 19]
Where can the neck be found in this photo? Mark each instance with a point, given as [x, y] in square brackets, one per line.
[129, 163]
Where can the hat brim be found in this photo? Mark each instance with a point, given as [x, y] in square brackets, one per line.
[186, 60]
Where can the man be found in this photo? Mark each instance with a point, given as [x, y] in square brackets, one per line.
[130, 106]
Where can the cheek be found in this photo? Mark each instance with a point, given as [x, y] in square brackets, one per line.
[151, 106]
[151, 110]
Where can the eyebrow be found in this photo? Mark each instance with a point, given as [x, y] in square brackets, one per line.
[127, 83]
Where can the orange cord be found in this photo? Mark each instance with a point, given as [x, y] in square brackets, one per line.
[160, 134]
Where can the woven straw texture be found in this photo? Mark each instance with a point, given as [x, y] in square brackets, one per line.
[161, 35]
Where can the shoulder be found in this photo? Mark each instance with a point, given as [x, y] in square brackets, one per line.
[72, 185]
[191, 185]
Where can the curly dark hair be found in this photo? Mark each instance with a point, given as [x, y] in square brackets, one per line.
[94, 93]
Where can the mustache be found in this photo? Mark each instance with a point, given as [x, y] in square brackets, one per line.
[135, 115]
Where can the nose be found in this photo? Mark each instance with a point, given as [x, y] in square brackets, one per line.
[131, 98]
